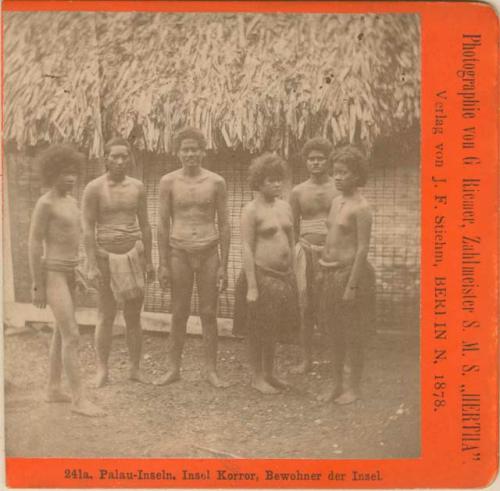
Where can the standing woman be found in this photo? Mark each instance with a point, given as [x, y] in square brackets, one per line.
[348, 280]
[266, 293]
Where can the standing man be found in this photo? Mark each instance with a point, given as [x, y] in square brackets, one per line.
[118, 242]
[188, 245]
[310, 202]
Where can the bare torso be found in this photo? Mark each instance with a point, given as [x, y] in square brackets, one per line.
[117, 204]
[312, 202]
[342, 240]
[63, 227]
[273, 226]
[193, 205]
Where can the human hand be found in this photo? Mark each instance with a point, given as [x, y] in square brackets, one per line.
[221, 279]
[150, 272]
[164, 277]
[349, 294]
[38, 296]
[252, 295]
[94, 276]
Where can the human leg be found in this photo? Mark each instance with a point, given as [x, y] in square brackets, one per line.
[331, 318]
[54, 391]
[181, 277]
[60, 300]
[132, 314]
[268, 363]
[206, 281]
[354, 352]
[106, 313]
[305, 334]
[261, 361]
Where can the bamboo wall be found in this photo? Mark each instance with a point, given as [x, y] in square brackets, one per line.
[393, 190]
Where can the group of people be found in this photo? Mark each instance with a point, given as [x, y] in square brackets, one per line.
[304, 261]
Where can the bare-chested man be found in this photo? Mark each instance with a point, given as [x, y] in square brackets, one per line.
[118, 246]
[266, 305]
[53, 256]
[188, 244]
[310, 202]
[348, 284]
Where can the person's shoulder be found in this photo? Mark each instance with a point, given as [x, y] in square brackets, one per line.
[363, 206]
[95, 183]
[283, 203]
[135, 182]
[45, 200]
[169, 177]
[249, 209]
[297, 189]
[214, 177]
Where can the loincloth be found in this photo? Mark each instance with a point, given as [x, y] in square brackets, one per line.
[66, 266]
[306, 270]
[124, 273]
[276, 311]
[314, 226]
[357, 316]
[194, 245]
[110, 236]
[195, 259]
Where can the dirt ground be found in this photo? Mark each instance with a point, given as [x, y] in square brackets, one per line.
[192, 419]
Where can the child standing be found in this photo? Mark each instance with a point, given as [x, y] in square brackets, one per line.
[348, 280]
[53, 256]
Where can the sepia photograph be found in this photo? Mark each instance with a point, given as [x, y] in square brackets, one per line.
[211, 235]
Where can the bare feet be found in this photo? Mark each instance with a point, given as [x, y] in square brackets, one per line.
[56, 395]
[137, 376]
[214, 379]
[330, 394]
[348, 397]
[170, 377]
[101, 378]
[264, 387]
[278, 383]
[302, 368]
[86, 408]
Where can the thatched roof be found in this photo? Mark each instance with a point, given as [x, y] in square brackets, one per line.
[255, 80]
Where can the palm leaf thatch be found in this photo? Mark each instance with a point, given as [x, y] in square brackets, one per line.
[247, 80]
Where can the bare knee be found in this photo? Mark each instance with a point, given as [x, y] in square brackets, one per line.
[70, 339]
[180, 314]
[209, 324]
[208, 318]
[132, 312]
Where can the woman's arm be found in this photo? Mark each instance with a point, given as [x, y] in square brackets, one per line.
[248, 240]
[363, 218]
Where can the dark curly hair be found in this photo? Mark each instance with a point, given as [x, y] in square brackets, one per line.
[267, 165]
[354, 160]
[189, 133]
[318, 143]
[55, 159]
[117, 141]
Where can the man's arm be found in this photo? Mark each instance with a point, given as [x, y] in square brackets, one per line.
[38, 231]
[295, 206]
[147, 236]
[90, 206]
[363, 228]
[164, 231]
[291, 235]
[224, 231]
[248, 237]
